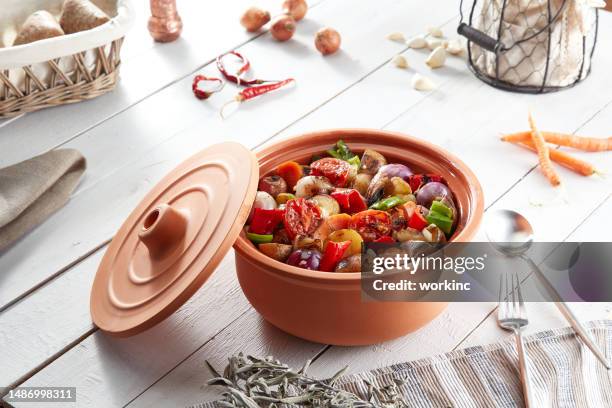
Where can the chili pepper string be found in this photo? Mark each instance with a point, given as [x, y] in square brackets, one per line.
[202, 94]
[237, 77]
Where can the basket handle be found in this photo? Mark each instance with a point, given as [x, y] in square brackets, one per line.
[476, 36]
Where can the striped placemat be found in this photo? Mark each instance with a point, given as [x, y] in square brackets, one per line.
[564, 374]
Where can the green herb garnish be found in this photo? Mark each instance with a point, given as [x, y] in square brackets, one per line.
[341, 151]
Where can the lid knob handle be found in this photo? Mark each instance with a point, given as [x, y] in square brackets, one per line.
[163, 228]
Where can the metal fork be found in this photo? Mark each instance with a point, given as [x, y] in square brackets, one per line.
[512, 316]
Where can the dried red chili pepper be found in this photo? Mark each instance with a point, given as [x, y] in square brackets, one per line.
[202, 94]
[255, 91]
[237, 77]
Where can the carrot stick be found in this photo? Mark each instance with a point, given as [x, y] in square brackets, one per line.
[579, 166]
[543, 153]
[587, 144]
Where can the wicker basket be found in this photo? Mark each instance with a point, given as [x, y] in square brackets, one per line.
[59, 70]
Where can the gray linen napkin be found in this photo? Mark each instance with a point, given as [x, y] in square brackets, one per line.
[565, 375]
[32, 190]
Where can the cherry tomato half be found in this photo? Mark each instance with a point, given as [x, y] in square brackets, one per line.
[336, 170]
[302, 217]
[371, 224]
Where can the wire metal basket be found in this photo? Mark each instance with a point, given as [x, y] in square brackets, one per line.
[530, 46]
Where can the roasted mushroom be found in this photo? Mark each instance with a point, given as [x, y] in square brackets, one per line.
[371, 162]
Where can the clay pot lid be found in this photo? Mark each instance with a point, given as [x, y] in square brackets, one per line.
[174, 239]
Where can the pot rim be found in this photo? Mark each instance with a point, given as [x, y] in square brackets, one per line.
[244, 248]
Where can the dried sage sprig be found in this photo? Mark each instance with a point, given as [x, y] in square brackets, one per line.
[252, 382]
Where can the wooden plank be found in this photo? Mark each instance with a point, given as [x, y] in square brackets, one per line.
[146, 68]
[585, 193]
[141, 358]
[75, 357]
[185, 384]
[33, 331]
[468, 119]
[464, 115]
[544, 316]
[122, 181]
[448, 331]
[141, 131]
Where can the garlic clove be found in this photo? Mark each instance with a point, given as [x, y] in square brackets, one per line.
[433, 43]
[437, 58]
[399, 37]
[435, 32]
[422, 83]
[400, 61]
[455, 47]
[417, 42]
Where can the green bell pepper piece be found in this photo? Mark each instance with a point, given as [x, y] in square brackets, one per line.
[387, 203]
[439, 208]
[441, 221]
[260, 238]
[354, 161]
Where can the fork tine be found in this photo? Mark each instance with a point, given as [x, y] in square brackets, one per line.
[507, 304]
[502, 305]
[515, 288]
[520, 296]
[501, 288]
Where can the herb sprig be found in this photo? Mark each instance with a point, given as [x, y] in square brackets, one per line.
[252, 382]
[341, 151]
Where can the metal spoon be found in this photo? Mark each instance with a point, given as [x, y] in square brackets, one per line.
[511, 234]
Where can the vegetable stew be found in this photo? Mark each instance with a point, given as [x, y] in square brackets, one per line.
[317, 215]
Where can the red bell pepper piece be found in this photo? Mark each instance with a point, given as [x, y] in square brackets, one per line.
[350, 200]
[265, 221]
[357, 203]
[333, 254]
[385, 240]
[342, 197]
[417, 221]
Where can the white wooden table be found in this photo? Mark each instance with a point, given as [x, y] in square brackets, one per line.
[134, 135]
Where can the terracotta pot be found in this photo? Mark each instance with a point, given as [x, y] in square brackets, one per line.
[327, 307]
